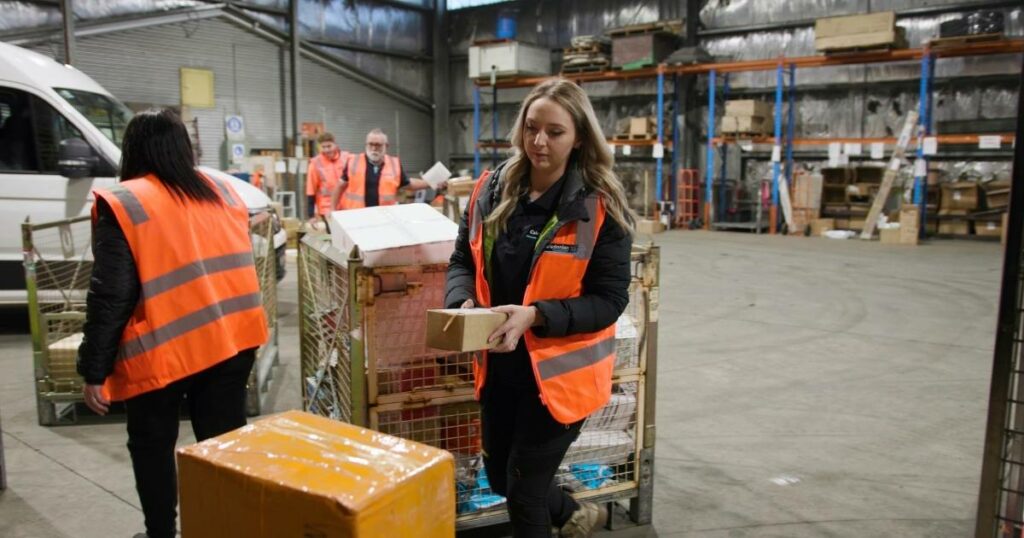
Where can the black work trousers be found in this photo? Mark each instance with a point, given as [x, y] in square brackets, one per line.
[523, 447]
[216, 405]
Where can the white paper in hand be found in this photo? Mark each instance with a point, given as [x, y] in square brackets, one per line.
[436, 175]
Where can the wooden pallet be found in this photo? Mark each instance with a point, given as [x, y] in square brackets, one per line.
[588, 68]
[852, 51]
[586, 58]
[673, 27]
[596, 48]
[628, 137]
[961, 40]
[746, 135]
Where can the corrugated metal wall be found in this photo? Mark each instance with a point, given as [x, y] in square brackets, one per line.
[251, 75]
[142, 66]
[350, 110]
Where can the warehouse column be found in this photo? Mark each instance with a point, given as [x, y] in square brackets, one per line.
[442, 95]
[67, 12]
[296, 186]
[690, 136]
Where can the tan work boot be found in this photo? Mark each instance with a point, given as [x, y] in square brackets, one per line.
[584, 521]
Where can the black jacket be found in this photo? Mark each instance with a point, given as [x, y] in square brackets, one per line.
[605, 283]
[113, 294]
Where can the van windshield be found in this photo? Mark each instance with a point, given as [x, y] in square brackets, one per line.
[107, 114]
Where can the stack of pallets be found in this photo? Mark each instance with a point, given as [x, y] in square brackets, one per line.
[588, 54]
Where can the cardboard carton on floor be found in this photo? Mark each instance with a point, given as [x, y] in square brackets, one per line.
[910, 225]
[889, 236]
[820, 226]
[462, 329]
[650, 226]
[298, 474]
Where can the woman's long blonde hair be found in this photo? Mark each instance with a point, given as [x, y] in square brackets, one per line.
[593, 157]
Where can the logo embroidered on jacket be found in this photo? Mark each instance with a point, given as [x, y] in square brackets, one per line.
[561, 249]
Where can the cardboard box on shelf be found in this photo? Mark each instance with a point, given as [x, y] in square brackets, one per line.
[407, 234]
[820, 226]
[749, 107]
[642, 125]
[462, 329]
[997, 198]
[988, 228]
[954, 227]
[745, 124]
[961, 195]
[298, 474]
[858, 31]
[642, 50]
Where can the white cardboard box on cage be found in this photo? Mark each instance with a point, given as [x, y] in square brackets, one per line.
[407, 234]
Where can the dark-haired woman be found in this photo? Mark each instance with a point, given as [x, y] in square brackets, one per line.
[174, 310]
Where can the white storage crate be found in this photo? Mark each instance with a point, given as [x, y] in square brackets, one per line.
[509, 58]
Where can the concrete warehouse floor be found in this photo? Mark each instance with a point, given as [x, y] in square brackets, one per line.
[806, 387]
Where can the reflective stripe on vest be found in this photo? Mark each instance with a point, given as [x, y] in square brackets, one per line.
[200, 300]
[225, 192]
[573, 372]
[190, 322]
[131, 204]
[574, 360]
[195, 270]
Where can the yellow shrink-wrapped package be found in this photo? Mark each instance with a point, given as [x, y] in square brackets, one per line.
[297, 474]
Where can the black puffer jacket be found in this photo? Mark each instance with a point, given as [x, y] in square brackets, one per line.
[113, 294]
[605, 283]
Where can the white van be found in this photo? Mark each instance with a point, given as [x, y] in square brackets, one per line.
[42, 104]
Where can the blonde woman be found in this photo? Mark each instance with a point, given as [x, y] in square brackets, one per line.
[546, 240]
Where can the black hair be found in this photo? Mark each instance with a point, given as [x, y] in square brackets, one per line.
[156, 142]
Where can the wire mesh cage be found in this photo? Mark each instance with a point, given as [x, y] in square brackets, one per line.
[58, 265]
[327, 334]
[261, 233]
[364, 361]
[601, 461]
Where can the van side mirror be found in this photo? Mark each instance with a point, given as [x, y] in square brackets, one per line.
[76, 159]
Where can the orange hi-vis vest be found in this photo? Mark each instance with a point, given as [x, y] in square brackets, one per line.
[574, 373]
[354, 196]
[328, 175]
[200, 301]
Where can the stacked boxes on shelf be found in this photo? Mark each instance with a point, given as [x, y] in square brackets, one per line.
[748, 117]
[859, 32]
[847, 194]
[643, 45]
[958, 200]
[989, 222]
